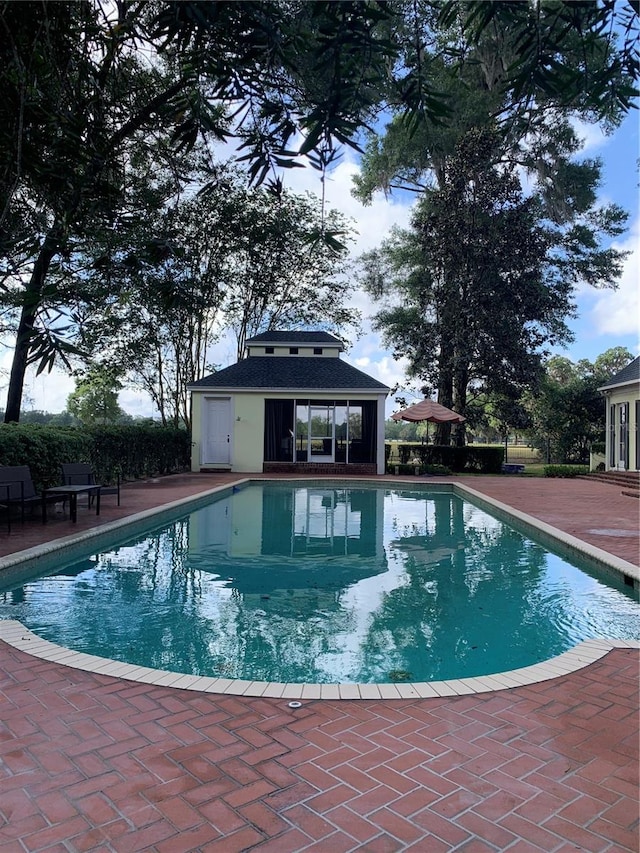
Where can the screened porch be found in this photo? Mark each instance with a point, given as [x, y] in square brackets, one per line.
[305, 431]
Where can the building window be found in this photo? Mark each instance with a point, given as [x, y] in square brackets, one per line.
[293, 350]
[269, 350]
[317, 350]
[624, 436]
[335, 431]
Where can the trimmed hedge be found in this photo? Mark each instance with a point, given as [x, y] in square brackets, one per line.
[565, 471]
[131, 451]
[480, 460]
[139, 451]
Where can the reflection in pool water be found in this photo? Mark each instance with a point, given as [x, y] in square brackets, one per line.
[323, 583]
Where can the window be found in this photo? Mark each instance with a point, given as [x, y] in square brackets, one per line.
[624, 436]
[317, 350]
[335, 430]
[269, 350]
[293, 350]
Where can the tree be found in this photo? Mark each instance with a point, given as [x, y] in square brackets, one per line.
[280, 272]
[581, 56]
[507, 416]
[95, 399]
[479, 242]
[484, 280]
[515, 66]
[84, 84]
[402, 430]
[232, 258]
[80, 93]
[567, 410]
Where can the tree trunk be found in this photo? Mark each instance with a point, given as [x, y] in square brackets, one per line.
[24, 335]
[35, 286]
[446, 365]
[445, 392]
[460, 403]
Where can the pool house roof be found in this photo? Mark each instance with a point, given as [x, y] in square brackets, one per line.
[281, 372]
[296, 338]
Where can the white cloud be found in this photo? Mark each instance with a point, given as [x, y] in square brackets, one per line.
[591, 136]
[618, 311]
[47, 392]
[373, 222]
[137, 403]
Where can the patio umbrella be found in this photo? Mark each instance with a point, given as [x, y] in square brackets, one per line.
[428, 410]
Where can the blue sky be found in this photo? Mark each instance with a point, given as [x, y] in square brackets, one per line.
[606, 318]
[612, 319]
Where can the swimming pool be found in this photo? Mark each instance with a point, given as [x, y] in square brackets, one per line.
[326, 583]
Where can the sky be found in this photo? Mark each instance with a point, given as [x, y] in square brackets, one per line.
[605, 318]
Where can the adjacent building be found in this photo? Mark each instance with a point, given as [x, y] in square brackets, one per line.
[622, 394]
[292, 405]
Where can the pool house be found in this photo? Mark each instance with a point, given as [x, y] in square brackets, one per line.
[292, 405]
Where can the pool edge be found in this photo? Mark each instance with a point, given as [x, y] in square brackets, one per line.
[15, 634]
[597, 557]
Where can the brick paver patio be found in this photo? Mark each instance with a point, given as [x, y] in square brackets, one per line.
[90, 762]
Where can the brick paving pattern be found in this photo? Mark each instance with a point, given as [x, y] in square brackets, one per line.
[93, 763]
[89, 762]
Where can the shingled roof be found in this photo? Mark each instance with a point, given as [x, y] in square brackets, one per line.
[295, 338]
[297, 373]
[628, 374]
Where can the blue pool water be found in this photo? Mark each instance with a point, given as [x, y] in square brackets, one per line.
[325, 583]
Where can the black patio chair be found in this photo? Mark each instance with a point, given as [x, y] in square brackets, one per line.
[16, 488]
[81, 474]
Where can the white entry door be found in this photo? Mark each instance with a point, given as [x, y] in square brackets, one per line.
[216, 431]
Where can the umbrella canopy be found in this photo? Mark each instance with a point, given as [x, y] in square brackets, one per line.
[428, 410]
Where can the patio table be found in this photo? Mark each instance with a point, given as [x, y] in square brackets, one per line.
[72, 493]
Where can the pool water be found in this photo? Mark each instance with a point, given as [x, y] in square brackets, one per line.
[324, 583]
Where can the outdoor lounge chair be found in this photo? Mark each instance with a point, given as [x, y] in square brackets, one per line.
[16, 487]
[81, 474]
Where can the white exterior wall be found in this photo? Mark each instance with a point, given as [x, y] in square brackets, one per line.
[618, 397]
[196, 431]
[328, 351]
[247, 425]
[247, 429]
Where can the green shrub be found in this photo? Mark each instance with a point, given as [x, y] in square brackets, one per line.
[481, 460]
[403, 468]
[138, 451]
[407, 468]
[598, 447]
[441, 470]
[128, 451]
[565, 470]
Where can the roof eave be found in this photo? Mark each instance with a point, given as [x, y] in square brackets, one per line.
[630, 383]
[335, 392]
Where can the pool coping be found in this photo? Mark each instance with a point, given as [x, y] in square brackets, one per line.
[15, 634]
